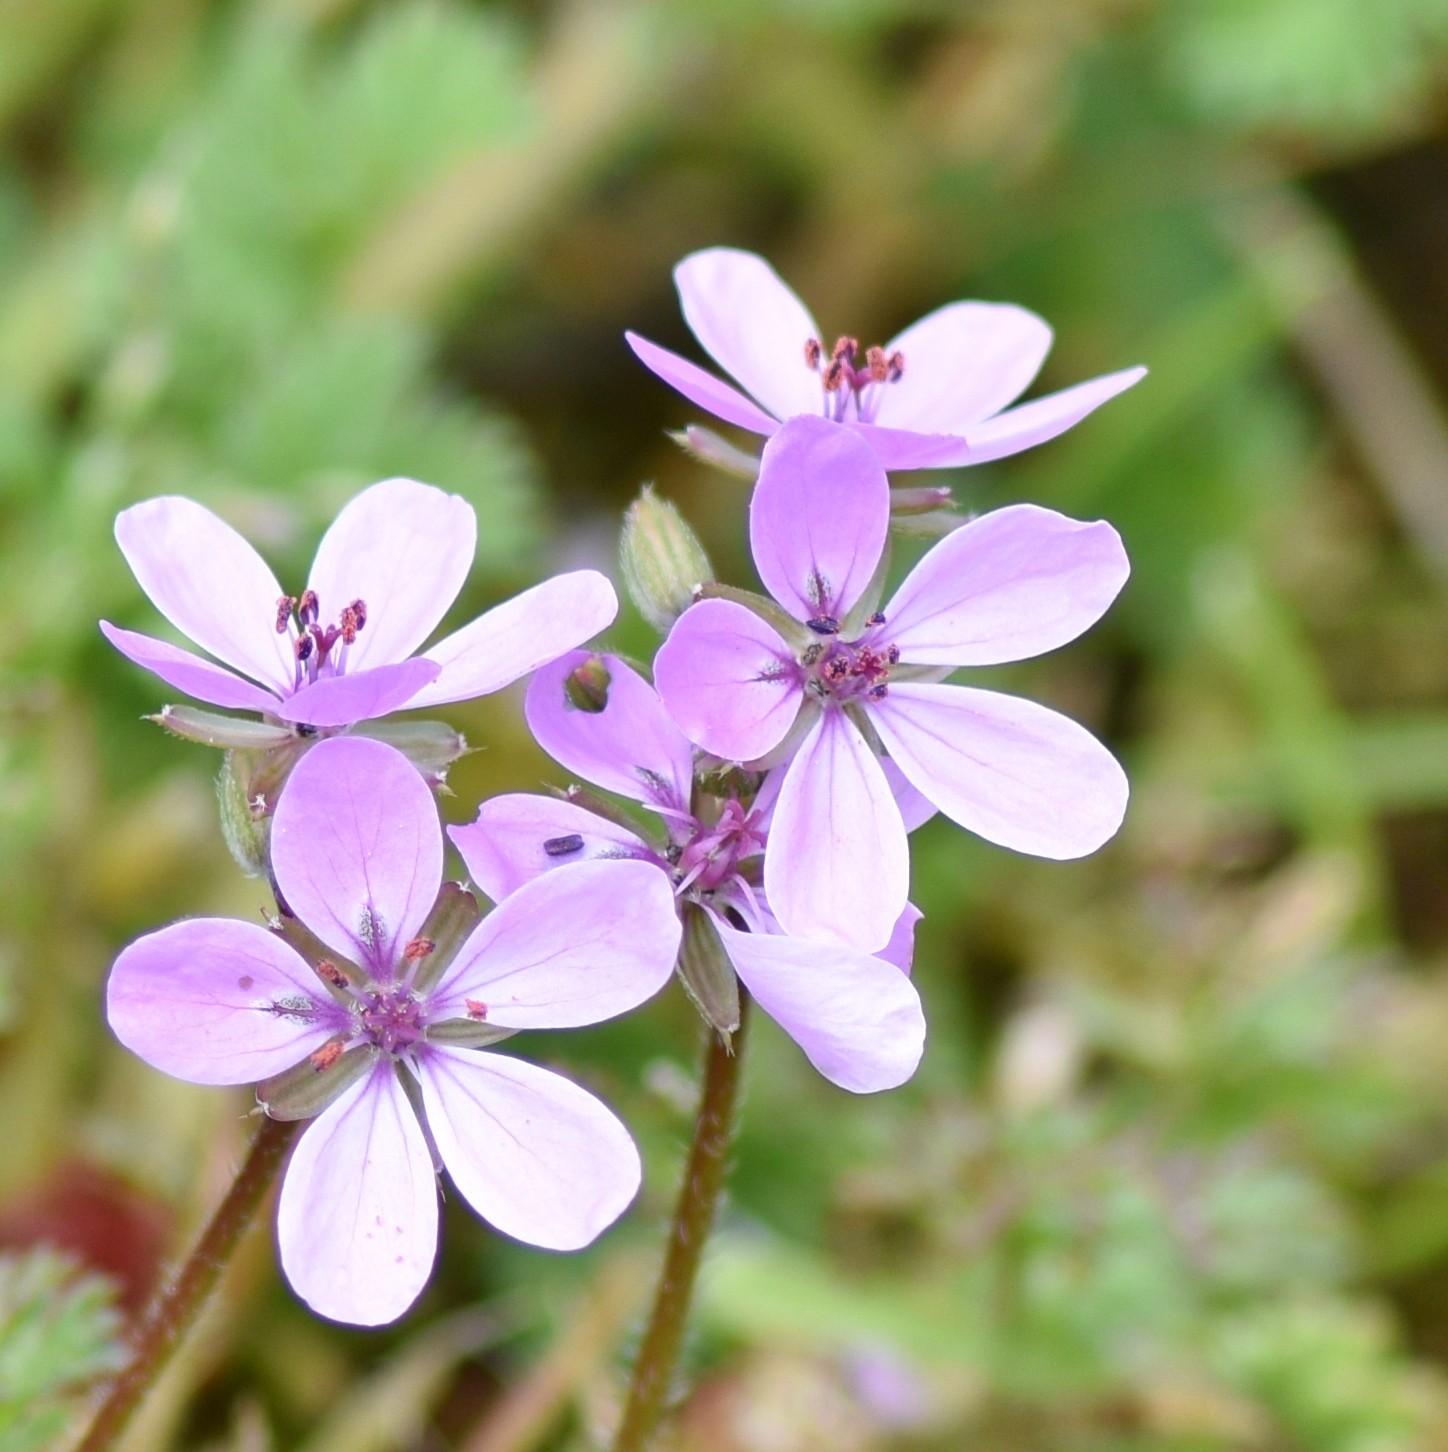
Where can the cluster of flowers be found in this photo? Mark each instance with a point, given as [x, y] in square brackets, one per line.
[781, 756]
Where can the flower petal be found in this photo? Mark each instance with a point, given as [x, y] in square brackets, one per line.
[536, 1156]
[1012, 584]
[1041, 419]
[752, 325]
[359, 696]
[837, 868]
[857, 1018]
[631, 746]
[728, 680]
[405, 549]
[209, 583]
[1011, 771]
[567, 949]
[963, 362]
[900, 449]
[710, 393]
[357, 849]
[518, 636]
[900, 950]
[357, 1216]
[519, 836]
[215, 1001]
[818, 518]
[190, 673]
[915, 809]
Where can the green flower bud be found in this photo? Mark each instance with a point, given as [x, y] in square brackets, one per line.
[662, 560]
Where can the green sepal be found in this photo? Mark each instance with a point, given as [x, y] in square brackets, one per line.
[920, 500]
[706, 972]
[709, 448]
[228, 732]
[306, 1089]
[932, 524]
[467, 1033]
[449, 925]
[431, 746]
[590, 801]
[664, 565]
[297, 935]
[247, 832]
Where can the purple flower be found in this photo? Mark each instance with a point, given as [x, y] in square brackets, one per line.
[382, 1023]
[933, 397]
[385, 573]
[857, 1017]
[841, 684]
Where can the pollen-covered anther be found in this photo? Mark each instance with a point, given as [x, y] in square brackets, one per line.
[351, 620]
[418, 949]
[845, 349]
[476, 1008]
[328, 972]
[308, 607]
[837, 375]
[813, 352]
[326, 1056]
[877, 365]
[302, 647]
[824, 625]
[285, 606]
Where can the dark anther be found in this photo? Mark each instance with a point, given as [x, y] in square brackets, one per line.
[302, 647]
[476, 1008]
[417, 950]
[326, 1056]
[285, 605]
[824, 625]
[585, 688]
[878, 618]
[845, 349]
[878, 693]
[563, 846]
[350, 622]
[813, 352]
[878, 365]
[307, 607]
[897, 366]
[330, 973]
[835, 376]
[893, 655]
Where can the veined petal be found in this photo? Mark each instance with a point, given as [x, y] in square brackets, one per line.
[518, 636]
[215, 1001]
[359, 695]
[209, 583]
[1029, 424]
[1010, 585]
[752, 325]
[631, 746]
[190, 673]
[1011, 771]
[963, 362]
[536, 1156]
[567, 949]
[519, 836]
[857, 1018]
[818, 517]
[902, 449]
[728, 680]
[900, 950]
[357, 1216]
[710, 393]
[357, 849]
[405, 549]
[915, 809]
[837, 868]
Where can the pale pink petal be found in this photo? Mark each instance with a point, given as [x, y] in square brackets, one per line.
[357, 850]
[818, 518]
[518, 636]
[363, 696]
[1009, 770]
[963, 362]
[1012, 584]
[1034, 423]
[190, 673]
[900, 950]
[857, 1018]
[631, 746]
[710, 393]
[518, 837]
[215, 1001]
[837, 868]
[567, 949]
[357, 1216]
[536, 1156]
[404, 549]
[752, 325]
[902, 449]
[915, 810]
[729, 681]
[209, 583]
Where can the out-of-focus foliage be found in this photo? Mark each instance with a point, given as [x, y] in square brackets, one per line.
[1174, 1175]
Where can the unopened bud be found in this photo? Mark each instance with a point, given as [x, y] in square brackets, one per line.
[662, 560]
[707, 974]
[585, 687]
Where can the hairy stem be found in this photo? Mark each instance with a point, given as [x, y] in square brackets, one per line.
[177, 1304]
[693, 1219]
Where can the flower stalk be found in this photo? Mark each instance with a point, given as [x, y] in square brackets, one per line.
[693, 1219]
[174, 1309]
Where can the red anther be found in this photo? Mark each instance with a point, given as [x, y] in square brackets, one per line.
[878, 618]
[348, 625]
[878, 693]
[813, 352]
[893, 655]
[359, 611]
[307, 607]
[302, 647]
[878, 364]
[326, 1056]
[417, 950]
[836, 375]
[845, 349]
[330, 973]
[285, 605]
[897, 365]
[476, 1008]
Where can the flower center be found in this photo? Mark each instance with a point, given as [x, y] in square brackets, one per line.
[713, 856]
[847, 387]
[391, 1018]
[319, 649]
[841, 670]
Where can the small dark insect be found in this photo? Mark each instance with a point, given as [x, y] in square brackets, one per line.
[824, 625]
[563, 846]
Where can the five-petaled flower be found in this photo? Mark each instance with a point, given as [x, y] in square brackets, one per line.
[850, 680]
[857, 1017]
[935, 396]
[383, 1027]
[342, 651]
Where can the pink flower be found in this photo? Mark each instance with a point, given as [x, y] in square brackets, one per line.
[386, 1026]
[385, 573]
[1007, 586]
[933, 397]
[856, 1016]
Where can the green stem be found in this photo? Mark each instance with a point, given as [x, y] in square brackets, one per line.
[693, 1219]
[177, 1304]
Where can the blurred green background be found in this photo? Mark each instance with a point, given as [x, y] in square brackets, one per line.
[1174, 1174]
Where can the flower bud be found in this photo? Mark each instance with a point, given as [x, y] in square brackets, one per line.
[663, 562]
[707, 974]
[586, 686]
